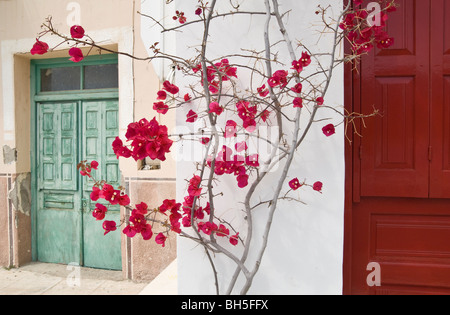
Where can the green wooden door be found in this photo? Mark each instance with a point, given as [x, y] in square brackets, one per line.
[71, 126]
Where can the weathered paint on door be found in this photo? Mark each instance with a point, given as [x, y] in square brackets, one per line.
[399, 207]
[72, 126]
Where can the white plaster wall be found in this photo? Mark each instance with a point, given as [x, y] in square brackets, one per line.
[305, 250]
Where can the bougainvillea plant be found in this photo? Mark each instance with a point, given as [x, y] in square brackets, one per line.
[283, 96]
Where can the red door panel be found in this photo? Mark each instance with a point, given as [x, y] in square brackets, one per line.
[409, 238]
[440, 99]
[394, 148]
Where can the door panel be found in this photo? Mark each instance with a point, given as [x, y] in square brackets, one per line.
[58, 211]
[440, 96]
[100, 127]
[408, 238]
[395, 147]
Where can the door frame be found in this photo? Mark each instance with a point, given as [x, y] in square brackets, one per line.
[352, 174]
[36, 97]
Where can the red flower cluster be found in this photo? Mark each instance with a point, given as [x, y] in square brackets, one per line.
[194, 191]
[295, 184]
[179, 15]
[148, 139]
[304, 61]
[86, 168]
[237, 164]
[138, 223]
[113, 196]
[160, 106]
[247, 113]
[220, 72]
[279, 78]
[363, 36]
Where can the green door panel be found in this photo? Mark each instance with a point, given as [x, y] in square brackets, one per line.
[58, 215]
[58, 146]
[100, 127]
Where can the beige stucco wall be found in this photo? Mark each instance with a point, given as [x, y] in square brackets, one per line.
[116, 24]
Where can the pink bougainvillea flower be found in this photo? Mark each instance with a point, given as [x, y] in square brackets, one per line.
[138, 221]
[146, 232]
[230, 129]
[94, 165]
[234, 239]
[109, 226]
[320, 101]
[222, 231]
[77, 31]
[279, 78]
[162, 95]
[161, 239]
[198, 11]
[241, 146]
[207, 227]
[187, 97]
[242, 180]
[96, 193]
[194, 189]
[39, 48]
[385, 42]
[205, 140]
[99, 212]
[191, 117]
[305, 59]
[124, 200]
[76, 54]
[295, 184]
[129, 231]
[119, 149]
[297, 66]
[263, 91]
[142, 208]
[171, 88]
[161, 107]
[297, 88]
[318, 186]
[169, 205]
[329, 130]
[215, 108]
[180, 17]
[298, 102]
[348, 22]
[252, 160]
[265, 115]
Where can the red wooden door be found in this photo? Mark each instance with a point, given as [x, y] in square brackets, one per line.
[397, 214]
